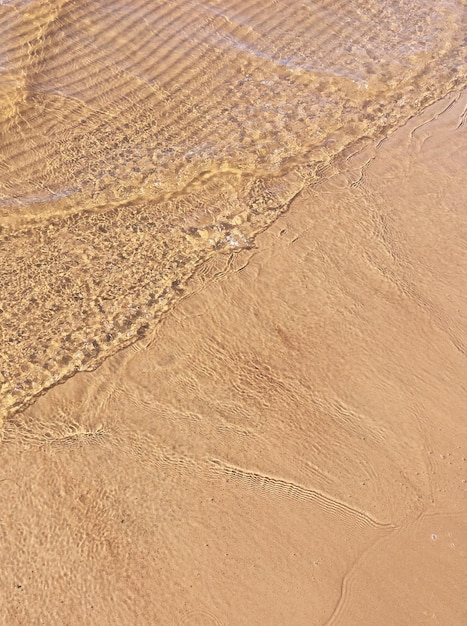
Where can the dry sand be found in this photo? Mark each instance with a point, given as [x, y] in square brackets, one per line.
[290, 446]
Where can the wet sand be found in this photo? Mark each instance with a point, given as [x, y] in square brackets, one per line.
[289, 446]
[139, 139]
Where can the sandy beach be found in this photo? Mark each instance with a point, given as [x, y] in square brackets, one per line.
[233, 304]
[289, 446]
[140, 139]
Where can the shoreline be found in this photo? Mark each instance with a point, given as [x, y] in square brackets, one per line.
[94, 349]
[288, 436]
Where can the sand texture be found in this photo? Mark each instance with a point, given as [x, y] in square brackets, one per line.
[290, 445]
[139, 139]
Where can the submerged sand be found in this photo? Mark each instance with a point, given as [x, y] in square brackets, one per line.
[290, 446]
[138, 139]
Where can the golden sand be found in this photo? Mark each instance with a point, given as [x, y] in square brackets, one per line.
[254, 293]
[140, 138]
[290, 445]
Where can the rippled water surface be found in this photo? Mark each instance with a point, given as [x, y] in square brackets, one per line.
[140, 138]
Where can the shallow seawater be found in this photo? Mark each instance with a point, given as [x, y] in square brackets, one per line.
[139, 139]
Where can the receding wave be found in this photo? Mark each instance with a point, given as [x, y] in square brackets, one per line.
[140, 138]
